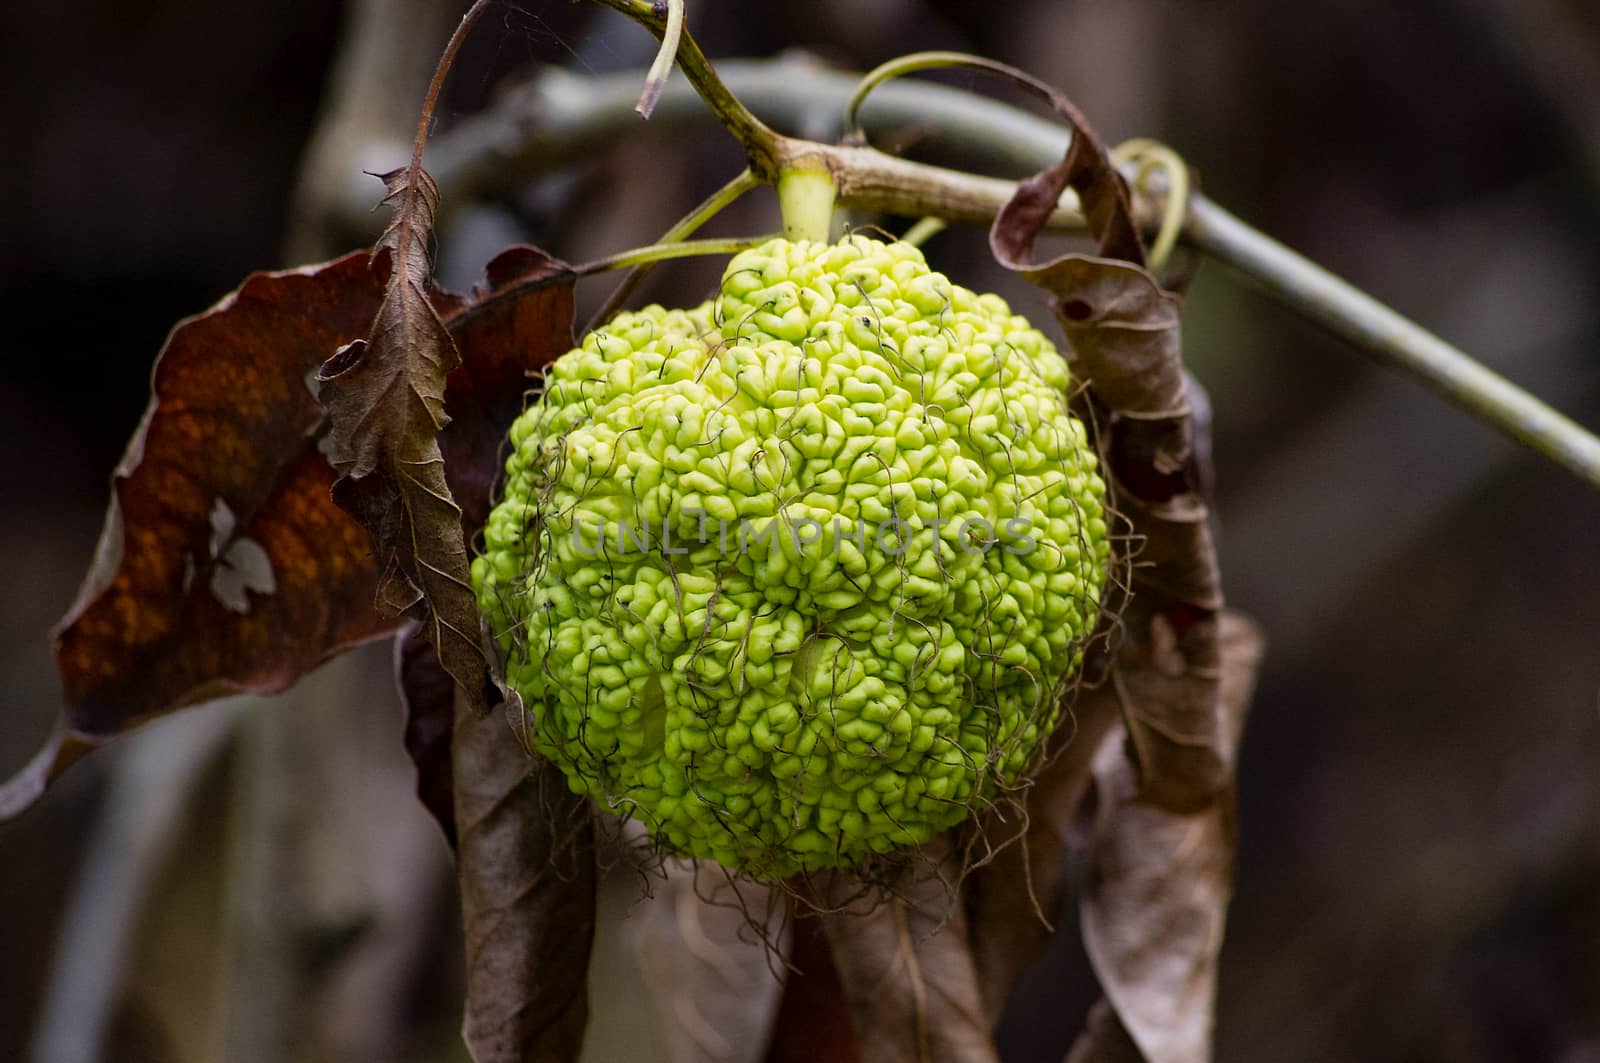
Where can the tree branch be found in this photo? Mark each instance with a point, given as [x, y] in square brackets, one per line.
[560, 117]
[387, 51]
[1392, 340]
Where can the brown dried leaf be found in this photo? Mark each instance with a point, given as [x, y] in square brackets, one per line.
[1158, 882]
[1123, 331]
[905, 966]
[525, 861]
[710, 948]
[385, 397]
[525, 857]
[1086, 168]
[224, 567]
[1012, 899]
[515, 321]
[813, 1021]
[428, 694]
[527, 875]
[1162, 843]
[1104, 1039]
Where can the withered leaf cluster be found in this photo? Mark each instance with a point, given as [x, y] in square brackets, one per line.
[320, 449]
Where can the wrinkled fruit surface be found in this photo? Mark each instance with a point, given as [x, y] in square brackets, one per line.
[795, 577]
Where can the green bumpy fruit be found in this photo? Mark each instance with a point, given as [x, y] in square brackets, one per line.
[795, 577]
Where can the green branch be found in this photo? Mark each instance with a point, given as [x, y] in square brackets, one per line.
[561, 117]
[1392, 339]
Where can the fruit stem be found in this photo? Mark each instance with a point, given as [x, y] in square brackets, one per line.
[659, 252]
[923, 230]
[686, 227]
[806, 197]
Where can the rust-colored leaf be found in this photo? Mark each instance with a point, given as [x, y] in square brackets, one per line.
[224, 567]
[513, 323]
[1157, 884]
[526, 869]
[906, 970]
[385, 397]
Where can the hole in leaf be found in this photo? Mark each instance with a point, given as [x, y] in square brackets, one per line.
[244, 567]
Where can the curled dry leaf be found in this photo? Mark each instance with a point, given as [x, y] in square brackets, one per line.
[1123, 331]
[525, 847]
[224, 567]
[905, 967]
[385, 397]
[513, 322]
[1161, 851]
[1157, 883]
[525, 863]
[711, 948]
[428, 694]
[1013, 899]
[1087, 169]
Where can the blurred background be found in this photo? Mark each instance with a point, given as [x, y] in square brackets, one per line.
[1419, 871]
